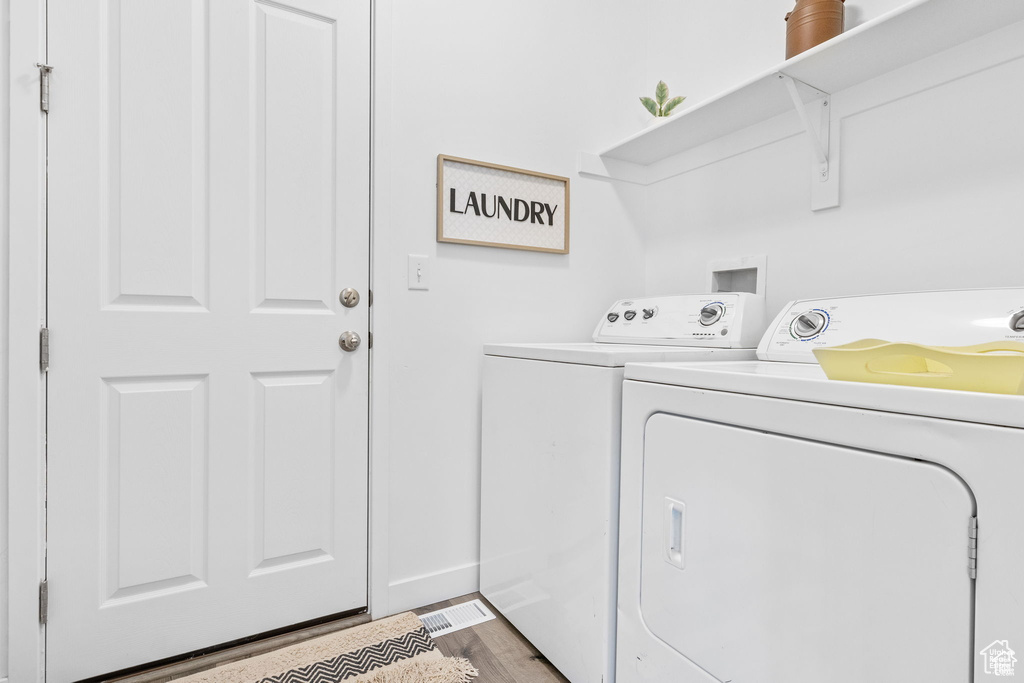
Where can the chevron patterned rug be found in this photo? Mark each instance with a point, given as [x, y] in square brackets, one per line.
[393, 650]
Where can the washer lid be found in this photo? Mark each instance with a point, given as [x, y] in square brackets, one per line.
[614, 355]
[804, 382]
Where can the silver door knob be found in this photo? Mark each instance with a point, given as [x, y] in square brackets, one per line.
[349, 297]
[349, 341]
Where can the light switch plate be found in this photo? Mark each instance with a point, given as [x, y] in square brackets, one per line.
[419, 272]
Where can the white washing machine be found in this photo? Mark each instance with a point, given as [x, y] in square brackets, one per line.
[779, 527]
[550, 469]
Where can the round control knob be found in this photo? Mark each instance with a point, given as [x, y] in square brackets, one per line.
[711, 314]
[612, 317]
[807, 324]
[1017, 321]
[629, 315]
[648, 313]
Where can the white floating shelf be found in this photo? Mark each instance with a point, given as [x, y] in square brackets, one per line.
[917, 30]
[752, 102]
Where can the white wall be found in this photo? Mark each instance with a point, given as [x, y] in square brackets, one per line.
[525, 84]
[930, 186]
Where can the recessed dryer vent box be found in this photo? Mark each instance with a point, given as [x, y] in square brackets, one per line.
[744, 274]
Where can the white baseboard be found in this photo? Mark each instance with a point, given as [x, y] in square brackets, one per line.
[423, 590]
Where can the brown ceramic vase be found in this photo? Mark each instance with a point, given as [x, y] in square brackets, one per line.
[812, 22]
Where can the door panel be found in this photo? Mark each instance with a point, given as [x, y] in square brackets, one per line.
[770, 559]
[294, 111]
[153, 485]
[293, 483]
[153, 128]
[207, 445]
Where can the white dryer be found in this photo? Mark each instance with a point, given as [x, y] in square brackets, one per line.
[778, 527]
[550, 466]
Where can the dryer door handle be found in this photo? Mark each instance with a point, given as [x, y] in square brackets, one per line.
[675, 529]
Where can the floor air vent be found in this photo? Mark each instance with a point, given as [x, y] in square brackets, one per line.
[455, 618]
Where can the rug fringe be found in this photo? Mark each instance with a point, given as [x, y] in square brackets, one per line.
[447, 670]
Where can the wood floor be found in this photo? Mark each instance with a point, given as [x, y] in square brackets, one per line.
[496, 648]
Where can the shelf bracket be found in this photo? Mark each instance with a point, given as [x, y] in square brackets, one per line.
[819, 147]
[825, 166]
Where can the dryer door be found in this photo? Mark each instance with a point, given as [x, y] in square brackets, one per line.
[770, 559]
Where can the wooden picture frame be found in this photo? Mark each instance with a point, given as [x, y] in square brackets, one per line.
[490, 205]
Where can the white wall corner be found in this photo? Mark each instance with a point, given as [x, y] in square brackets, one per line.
[420, 591]
[4, 162]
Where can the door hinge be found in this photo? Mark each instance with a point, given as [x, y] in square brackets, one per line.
[369, 340]
[972, 548]
[44, 85]
[44, 601]
[44, 349]
[369, 298]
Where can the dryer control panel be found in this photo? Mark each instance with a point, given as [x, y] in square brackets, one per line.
[950, 318]
[721, 320]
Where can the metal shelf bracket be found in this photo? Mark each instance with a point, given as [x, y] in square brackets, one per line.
[816, 117]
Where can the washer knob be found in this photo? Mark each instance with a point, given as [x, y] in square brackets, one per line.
[629, 315]
[711, 314]
[1017, 321]
[648, 313]
[612, 317]
[807, 324]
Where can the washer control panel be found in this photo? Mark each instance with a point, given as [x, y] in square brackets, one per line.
[721, 320]
[950, 318]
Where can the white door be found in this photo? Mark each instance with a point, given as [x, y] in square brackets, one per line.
[207, 437]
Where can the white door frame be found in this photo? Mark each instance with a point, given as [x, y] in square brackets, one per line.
[380, 257]
[26, 399]
[25, 223]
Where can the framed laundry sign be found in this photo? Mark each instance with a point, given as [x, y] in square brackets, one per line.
[499, 206]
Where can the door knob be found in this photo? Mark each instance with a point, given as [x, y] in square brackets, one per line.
[349, 297]
[349, 341]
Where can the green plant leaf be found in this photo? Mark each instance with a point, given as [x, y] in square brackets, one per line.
[672, 104]
[661, 92]
[650, 104]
